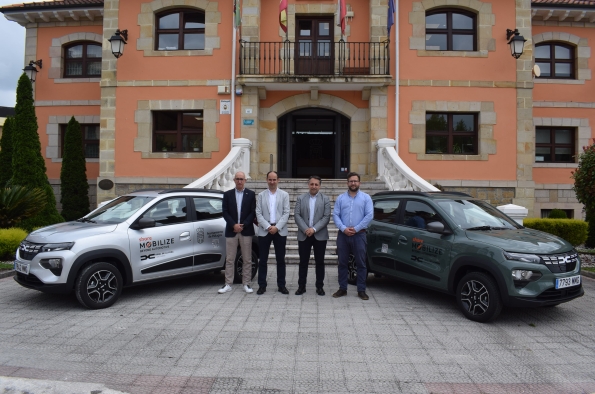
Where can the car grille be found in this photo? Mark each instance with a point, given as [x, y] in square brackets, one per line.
[30, 279]
[553, 294]
[28, 250]
[565, 262]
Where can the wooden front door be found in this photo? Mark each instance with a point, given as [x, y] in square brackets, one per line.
[314, 49]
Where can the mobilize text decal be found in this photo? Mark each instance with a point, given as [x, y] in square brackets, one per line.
[417, 245]
[147, 244]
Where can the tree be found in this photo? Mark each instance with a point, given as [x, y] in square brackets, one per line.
[6, 152]
[584, 187]
[28, 166]
[18, 203]
[73, 177]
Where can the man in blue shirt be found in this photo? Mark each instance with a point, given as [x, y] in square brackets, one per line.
[352, 214]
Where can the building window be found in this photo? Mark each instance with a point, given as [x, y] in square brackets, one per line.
[555, 60]
[90, 140]
[545, 213]
[177, 131]
[451, 30]
[554, 145]
[180, 30]
[82, 60]
[451, 133]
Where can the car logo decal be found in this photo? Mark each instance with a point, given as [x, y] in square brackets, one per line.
[200, 235]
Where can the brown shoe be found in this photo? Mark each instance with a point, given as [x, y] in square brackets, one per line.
[363, 295]
[340, 293]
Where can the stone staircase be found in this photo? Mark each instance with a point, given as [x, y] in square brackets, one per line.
[330, 187]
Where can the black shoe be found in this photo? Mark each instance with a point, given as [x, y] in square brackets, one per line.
[340, 293]
[363, 295]
[283, 290]
[320, 291]
[300, 291]
[261, 290]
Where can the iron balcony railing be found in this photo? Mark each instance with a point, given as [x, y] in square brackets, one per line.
[319, 58]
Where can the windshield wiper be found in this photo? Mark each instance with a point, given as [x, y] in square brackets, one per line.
[83, 220]
[484, 228]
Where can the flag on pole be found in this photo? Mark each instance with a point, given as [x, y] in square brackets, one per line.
[237, 13]
[391, 15]
[341, 11]
[283, 15]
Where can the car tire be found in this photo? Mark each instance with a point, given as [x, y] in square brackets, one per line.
[239, 263]
[478, 297]
[99, 286]
[351, 270]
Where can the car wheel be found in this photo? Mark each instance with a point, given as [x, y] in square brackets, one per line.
[351, 270]
[237, 278]
[99, 286]
[478, 297]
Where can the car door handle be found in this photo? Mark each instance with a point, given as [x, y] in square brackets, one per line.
[402, 239]
[185, 236]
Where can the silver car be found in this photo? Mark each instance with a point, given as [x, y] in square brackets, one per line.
[142, 236]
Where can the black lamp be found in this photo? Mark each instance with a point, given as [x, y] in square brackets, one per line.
[118, 41]
[31, 69]
[516, 42]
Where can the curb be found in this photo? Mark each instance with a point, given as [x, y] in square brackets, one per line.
[6, 274]
[588, 274]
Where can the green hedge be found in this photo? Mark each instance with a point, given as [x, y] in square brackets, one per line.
[10, 239]
[572, 230]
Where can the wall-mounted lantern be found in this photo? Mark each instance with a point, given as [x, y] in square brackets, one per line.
[31, 69]
[118, 41]
[516, 42]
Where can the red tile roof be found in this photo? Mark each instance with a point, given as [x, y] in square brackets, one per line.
[562, 3]
[53, 4]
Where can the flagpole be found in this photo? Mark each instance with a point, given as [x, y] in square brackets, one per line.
[232, 88]
[397, 70]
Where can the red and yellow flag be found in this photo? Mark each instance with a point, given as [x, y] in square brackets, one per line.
[283, 15]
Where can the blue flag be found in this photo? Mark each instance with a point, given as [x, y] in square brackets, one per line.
[391, 15]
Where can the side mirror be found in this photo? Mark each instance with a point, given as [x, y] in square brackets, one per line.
[437, 227]
[145, 223]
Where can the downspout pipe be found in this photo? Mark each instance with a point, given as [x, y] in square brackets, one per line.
[232, 88]
[397, 61]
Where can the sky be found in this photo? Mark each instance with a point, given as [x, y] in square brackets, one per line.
[12, 55]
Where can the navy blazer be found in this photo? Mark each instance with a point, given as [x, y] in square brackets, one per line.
[247, 212]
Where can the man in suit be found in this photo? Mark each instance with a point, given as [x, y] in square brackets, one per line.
[272, 213]
[239, 206]
[312, 215]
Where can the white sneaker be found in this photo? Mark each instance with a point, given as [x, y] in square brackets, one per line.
[248, 289]
[224, 289]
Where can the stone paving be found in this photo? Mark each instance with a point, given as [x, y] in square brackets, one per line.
[181, 336]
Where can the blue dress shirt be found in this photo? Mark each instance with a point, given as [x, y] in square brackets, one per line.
[354, 212]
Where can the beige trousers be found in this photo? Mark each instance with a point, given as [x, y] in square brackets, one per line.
[231, 246]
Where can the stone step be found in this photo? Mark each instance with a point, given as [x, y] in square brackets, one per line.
[294, 258]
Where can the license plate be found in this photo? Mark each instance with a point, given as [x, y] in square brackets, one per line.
[567, 282]
[21, 267]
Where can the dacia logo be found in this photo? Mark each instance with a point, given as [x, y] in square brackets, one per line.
[147, 256]
[565, 260]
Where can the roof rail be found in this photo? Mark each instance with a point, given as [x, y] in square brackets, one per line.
[191, 190]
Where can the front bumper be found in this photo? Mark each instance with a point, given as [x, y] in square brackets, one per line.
[32, 282]
[548, 297]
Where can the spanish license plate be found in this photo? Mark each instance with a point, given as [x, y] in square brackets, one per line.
[21, 267]
[567, 282]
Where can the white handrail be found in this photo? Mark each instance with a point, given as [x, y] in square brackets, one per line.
[221, 177]
[395, 173]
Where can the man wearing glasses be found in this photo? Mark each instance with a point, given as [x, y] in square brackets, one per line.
[352, 214]
[239, 209]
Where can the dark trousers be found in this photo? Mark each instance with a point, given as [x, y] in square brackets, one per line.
[355, 245]
[304, 248]
[264, 243]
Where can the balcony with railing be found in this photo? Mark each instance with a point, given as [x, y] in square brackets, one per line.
[290, 61]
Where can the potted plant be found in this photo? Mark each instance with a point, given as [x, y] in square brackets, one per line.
[195, 145]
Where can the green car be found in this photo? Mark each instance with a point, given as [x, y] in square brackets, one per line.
[451, 242]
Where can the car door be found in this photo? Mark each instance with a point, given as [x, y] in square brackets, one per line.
[382, 239]
[166, 249]
[209, 227]
[423, 257]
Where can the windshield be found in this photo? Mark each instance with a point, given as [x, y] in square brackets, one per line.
[476, 214]
[118, 210]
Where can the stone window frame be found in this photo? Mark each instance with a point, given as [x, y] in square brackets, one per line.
[56, 70]
[486, 120]
[143, 117]
[581, 59]
[485, 22]
[52, 130]
[582, 137]
[146, 21]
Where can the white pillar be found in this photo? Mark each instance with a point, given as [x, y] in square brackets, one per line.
[516, 212]
[245, 144]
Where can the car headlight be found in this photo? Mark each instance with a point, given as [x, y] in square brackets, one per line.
[57, 247]
[522, 257]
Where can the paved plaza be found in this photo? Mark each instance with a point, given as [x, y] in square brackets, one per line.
[181, 336]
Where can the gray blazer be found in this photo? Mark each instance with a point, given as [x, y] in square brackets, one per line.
[322, 216]
[263, 215]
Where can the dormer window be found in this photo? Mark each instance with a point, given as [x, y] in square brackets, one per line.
[82, 60]
[180, 30]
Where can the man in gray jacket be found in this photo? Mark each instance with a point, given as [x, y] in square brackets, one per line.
[272, 213]
[312, 215]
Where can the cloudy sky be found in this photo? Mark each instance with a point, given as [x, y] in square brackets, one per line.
[12, 52]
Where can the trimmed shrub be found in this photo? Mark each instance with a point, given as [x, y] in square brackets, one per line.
[9, 242]
[584, 187]
[28, 166]
[6, 152]
[572, 230]
[557, 214]
[73, 177]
